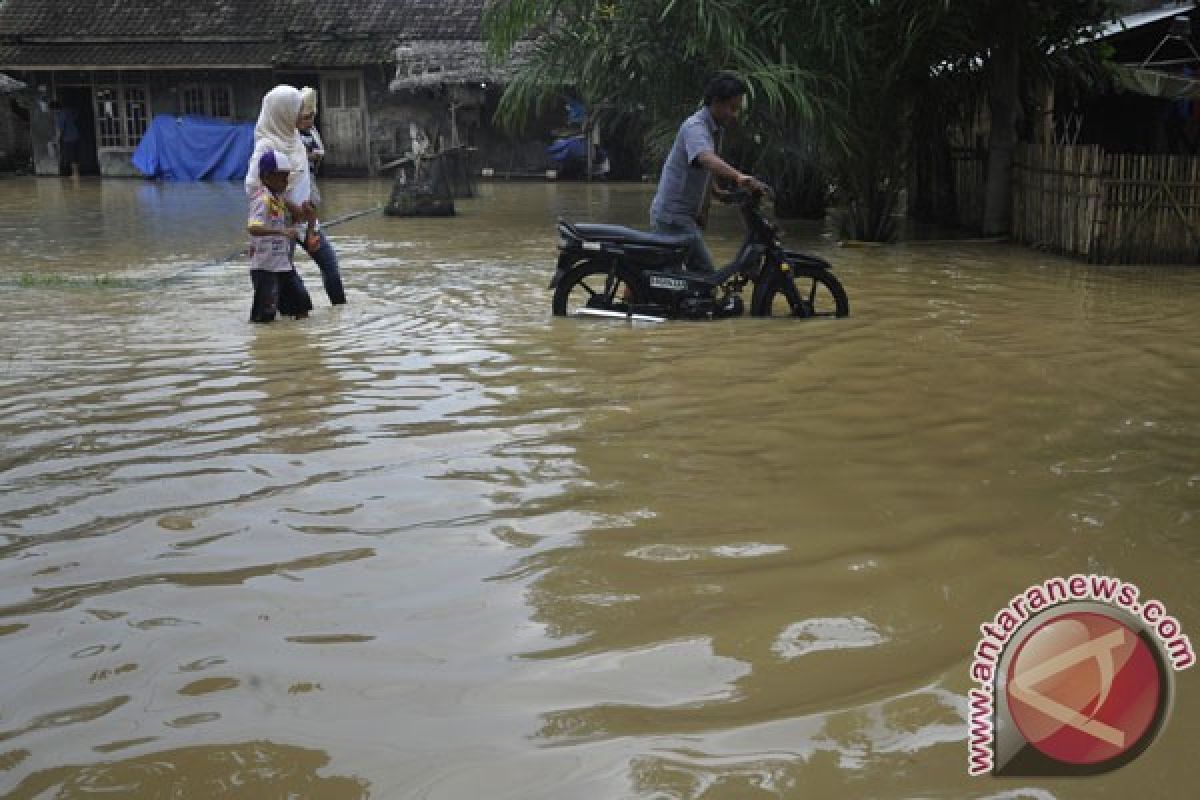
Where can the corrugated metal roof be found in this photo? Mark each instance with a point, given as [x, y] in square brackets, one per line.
[1138, 19]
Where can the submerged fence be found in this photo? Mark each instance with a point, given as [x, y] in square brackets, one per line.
[1107, 208]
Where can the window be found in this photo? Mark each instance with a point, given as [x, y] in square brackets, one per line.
[350, 92]
[137, 114]
[333, 93]
[192, 99]
[221, 102]
[341, 92]
[122, 114]
[208, 100]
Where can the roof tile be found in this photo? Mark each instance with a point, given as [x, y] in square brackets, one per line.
[130, 33]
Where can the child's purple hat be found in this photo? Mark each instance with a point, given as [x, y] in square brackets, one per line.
[273, 161]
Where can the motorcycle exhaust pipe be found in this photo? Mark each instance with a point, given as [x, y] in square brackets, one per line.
[598, 312]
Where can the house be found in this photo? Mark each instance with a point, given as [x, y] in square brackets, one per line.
[118, 64]
[1117, 115]
[1116, 178]
[1154, 105]
[446, 92]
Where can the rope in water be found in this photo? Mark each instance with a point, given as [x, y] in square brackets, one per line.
[241, 251]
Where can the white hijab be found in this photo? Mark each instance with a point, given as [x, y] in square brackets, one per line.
[276, 129]
[308, 100]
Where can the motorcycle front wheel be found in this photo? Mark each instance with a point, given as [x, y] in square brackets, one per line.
[595, 286]
[812, 292]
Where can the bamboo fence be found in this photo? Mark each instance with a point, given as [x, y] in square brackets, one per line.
[1107, 208]
[969, 171]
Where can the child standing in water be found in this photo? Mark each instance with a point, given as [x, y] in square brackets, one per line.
[278, 129]
[277, 286]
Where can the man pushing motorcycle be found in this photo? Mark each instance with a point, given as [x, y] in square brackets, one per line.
[693, 162]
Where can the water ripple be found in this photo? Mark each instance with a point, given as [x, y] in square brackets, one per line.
[453, 542]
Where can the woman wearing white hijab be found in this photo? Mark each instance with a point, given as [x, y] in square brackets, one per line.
[277, 129]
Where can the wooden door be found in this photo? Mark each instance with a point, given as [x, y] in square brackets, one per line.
[342, 121]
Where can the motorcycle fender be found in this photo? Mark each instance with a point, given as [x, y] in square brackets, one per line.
[771, 272]
[565, 262]
[806, 260]
[758, 297]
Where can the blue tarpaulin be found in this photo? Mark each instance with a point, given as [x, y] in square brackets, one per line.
[563, 149]
[195, 149]
[570, 155]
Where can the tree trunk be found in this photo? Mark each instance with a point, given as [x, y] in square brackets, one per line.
[1005, 107]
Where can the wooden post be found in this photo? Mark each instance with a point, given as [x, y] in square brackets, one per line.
[587, 143]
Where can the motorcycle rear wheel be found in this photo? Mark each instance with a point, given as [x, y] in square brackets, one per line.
[588, 285]
[817, 294]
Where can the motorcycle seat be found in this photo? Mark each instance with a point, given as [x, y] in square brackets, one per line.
[595, 232]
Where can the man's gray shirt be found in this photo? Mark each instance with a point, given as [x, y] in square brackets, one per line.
[683, 182]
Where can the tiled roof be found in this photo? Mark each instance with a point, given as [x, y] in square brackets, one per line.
[128, 55]
[344, 53]
[166, 33]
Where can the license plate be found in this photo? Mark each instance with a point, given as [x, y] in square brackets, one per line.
[674, 284]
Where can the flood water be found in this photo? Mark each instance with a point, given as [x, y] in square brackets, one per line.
[439, 544]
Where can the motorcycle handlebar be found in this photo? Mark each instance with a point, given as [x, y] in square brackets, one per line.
[746, 197]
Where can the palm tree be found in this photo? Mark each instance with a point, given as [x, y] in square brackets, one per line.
[644, 63]
[836, 85]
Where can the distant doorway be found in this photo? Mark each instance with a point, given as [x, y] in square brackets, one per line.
[343, 121]
[79, 100]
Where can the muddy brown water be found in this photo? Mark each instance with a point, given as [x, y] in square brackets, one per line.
[437, 544]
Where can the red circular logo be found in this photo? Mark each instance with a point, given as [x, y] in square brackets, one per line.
[1084, 688]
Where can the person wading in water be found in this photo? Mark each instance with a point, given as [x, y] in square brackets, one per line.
[278, 129]
[679, 203]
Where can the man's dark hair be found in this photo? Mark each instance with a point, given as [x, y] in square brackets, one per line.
[722, 86]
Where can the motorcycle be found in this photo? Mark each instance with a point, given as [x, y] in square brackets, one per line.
[623, 273]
